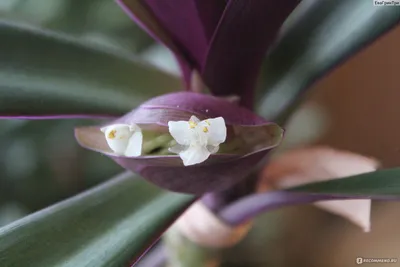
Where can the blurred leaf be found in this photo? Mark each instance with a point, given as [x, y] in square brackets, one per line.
[105, 14]
[110, 225]
[73, 18]
[40, 10]
[378, 183]
[43, 72]
[7, 126]
[10, 212]
[39, 170]
[8, 4]
[317, 37]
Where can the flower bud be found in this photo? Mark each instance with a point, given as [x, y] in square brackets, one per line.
[190, 142]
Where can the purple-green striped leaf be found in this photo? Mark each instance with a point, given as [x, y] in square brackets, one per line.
[46, 74]
[111, 225]
[378, 185]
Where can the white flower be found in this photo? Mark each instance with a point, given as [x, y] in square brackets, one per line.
[124, 139]
[196, 139]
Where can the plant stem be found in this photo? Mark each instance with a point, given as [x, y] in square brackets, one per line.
[216, 201]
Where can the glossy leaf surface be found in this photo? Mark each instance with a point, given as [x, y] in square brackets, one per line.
[44, 73]
[316, 38]
[110, 225]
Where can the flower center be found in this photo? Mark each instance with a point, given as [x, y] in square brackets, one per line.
[192, 124]
[196, 139]
[112, 134]
[124, 139]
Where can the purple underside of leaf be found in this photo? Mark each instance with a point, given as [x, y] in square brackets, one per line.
[189, 103]
[246, 30]
[144, 18]
[253, 205]
[196, 179]
[56, 117]
[210, 12]
[180, 19]
[191, 23]
[217, 173]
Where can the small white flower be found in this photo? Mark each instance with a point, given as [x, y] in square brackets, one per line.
[196, 139]
[124, 139]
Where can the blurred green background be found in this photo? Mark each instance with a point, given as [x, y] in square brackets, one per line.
[40, 161]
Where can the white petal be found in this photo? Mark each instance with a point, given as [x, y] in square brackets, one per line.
[212, 149]
[216, 130]
[194, 155]
[194, 119]
[180, 131]
[134, 147]
[199, 136]
[197, 139]
[117, 137]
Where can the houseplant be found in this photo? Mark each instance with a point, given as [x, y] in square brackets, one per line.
[71, 79]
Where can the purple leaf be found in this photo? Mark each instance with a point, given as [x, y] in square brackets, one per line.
[190, 23]
[224, 40]
[210, 12]
[184, 26]
[253, 205]
[246, 30]
[144, 17]
[180, 18]
[255, 135]
[176, 104]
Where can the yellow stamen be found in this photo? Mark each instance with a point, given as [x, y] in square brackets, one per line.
[207, 122]
[112, 133]
[192, 124]
[205, 129]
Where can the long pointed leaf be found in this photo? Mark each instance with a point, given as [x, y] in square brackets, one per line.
[46, 73]
[378, 185]
[245, 31]
[111, 225]
[320, 35]
[381, 182]
[139, 12]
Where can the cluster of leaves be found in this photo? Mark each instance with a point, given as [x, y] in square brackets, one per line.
[59, 69]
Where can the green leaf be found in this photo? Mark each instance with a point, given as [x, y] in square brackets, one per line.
[378, 183]
[44, 72]
[318, 36]
[110, 225]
